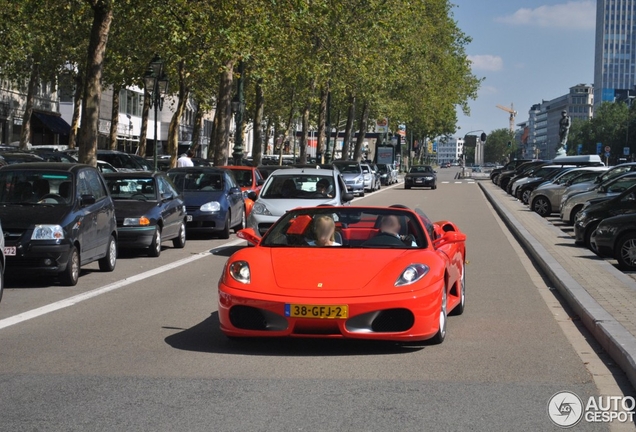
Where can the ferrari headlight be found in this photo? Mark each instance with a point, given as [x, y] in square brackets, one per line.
[212, 206]
[240, 271]
[47, 232]
[141, 221]
[260, 208]
[412, 274]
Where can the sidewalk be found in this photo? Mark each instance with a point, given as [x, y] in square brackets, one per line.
[600, 294]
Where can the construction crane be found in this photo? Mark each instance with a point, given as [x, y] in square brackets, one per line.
[512, 113]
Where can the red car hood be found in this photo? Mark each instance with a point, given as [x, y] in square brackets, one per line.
[329, 269]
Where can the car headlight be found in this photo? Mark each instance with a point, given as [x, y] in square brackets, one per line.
[412, 274]
[47, 232]
[260, 208]
[141, 221]
[240, 271]
[429, 178]
[358, 180]
[212, 206]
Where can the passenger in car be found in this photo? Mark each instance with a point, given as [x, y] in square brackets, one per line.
[324, 229]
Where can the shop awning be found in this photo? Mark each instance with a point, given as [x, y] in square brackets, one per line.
[54, 123]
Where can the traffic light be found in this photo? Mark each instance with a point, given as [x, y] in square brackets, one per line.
[509, 144]
[482, 137]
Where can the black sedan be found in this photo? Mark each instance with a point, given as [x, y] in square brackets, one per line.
[56, 217]
[615, 237]
[214, 201]
[589, 218]
[149, 210]
[420, 176]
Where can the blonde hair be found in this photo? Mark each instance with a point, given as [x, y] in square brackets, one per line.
[323, 222]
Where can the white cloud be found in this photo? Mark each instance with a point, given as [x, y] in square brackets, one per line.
[486, 62]
[488, 90]
[571, 15]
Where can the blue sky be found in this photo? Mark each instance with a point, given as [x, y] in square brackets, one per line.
[526, 51]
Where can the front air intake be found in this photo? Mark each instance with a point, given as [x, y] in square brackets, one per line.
[393, 320]
[247, 318]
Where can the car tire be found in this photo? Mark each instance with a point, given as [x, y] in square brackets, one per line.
[504, 184]
[443, 318]
[589, 230]
[434, 187]
[70, 275]
[541, 205]
[459, 309]
[407, 187]
[525, 195]
[494, 179]
[225, 232]
[625, 251]
[362, 194]
[107, 264]
[243, 223]
[154, 250]
[573, 214]
[180, 241]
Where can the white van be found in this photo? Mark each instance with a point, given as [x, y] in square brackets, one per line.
[580, 160]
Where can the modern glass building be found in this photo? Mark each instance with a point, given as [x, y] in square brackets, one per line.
[615, 50]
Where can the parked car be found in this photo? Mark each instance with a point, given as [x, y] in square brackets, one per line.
[611, 187]
[56, 218]
[120, 160]
[387, 175]
[611, 173]
[143, 162]
[504, 177]
[287, 189]
[248, 178]
[266, 170]
[420, 176]
[591, 215]
[50, 155]
[523, 187]
[508, 167]
[214, 201]
[18, 157]
[371, 178]
[546, 198]
[105, 167]
[353, 176]
[149, 211]
[615, 237]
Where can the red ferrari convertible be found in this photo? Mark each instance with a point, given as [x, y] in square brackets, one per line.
[384, 273]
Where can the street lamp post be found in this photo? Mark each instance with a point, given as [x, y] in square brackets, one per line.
[238, 107]
[156, 83]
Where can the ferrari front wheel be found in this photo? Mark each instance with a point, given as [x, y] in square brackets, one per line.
[441, 333]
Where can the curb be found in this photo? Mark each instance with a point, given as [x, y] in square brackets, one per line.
[613, 337]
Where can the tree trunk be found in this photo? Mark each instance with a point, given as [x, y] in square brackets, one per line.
[305, 134]
[77, 107]
[212, 138]
[268, 131]
[114, 119]
[322, 119]
[173, 129]
[25, 134]
[143, 133]
[257, 147]
[224, 115]
[362, 131]
[346, 143]
[102, 18]
[196, 131]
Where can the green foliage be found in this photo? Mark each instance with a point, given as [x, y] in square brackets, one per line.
[609, 126]
[496, 148]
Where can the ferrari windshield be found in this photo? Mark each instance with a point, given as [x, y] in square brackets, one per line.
[380, 228]
[35, 187]
[299, 186]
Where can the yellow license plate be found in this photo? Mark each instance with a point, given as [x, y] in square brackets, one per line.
[316, 311]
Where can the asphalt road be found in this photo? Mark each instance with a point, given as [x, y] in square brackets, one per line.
[145, 352]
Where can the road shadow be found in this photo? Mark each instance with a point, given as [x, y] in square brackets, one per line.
[22, 280]
[207, 337]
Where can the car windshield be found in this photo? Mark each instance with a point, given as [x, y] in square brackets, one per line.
[35, 187]
[421, 169]
[197, 181]
[349, 168]
[243, 177]
[119, 160]
[382, 168]
[348, 227]
[298, 186]
[132, 188]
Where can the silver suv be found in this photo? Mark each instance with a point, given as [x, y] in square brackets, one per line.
[353, 176]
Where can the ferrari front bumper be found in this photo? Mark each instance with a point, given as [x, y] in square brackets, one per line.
[408, 316]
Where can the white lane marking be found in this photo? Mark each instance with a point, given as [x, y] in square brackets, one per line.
[445, 182]
[34, 313]
[458, 182]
